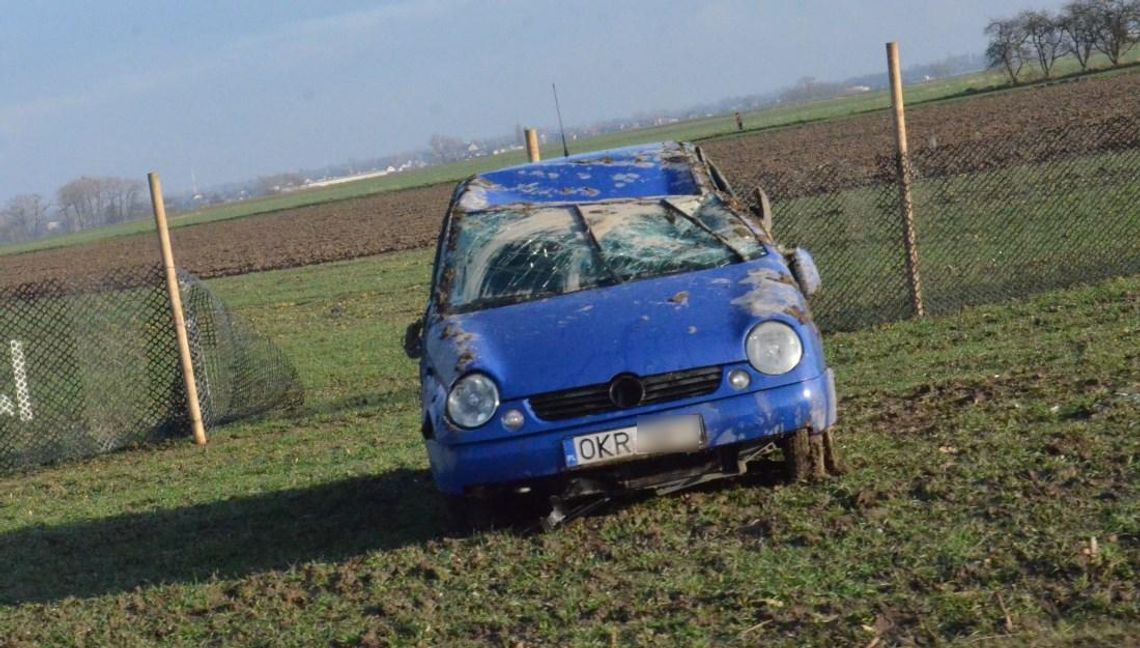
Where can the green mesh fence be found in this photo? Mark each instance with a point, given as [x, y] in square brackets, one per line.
[92, 366]
[995, 220]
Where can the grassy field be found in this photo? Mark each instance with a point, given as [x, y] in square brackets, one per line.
[956, 88]
[989, 452]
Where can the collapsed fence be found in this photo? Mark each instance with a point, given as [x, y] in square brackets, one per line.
[994, 219]
[91, 365]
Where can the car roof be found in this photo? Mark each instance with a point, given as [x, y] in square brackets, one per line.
[642, 171]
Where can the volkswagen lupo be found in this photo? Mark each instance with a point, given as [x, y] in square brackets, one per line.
[612, 322]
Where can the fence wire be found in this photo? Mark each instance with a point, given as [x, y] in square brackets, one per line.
[995, 220]
[92, 366]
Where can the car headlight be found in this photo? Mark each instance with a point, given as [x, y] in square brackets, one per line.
[774, 348]
[472, 400]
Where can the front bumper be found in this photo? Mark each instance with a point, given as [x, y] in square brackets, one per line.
[728, 420]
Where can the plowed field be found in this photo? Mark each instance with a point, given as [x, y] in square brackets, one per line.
[411, 218]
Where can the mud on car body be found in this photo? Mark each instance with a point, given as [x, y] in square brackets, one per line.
[610, 322]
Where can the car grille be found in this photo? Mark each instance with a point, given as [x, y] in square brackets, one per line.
[596, 399]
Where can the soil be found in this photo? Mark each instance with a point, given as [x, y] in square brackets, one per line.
[825, 155]
[846, 151]
[332, 231]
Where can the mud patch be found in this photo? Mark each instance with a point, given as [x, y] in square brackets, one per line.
[771, 293]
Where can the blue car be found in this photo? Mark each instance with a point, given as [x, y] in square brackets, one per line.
[612, 322]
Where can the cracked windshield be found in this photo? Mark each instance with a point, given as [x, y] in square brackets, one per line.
[510, 256]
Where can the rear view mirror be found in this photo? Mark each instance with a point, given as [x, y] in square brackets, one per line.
[804, 270]
[762, 207]
[413, 339]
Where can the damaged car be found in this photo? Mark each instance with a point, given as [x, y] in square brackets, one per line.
[615, 322]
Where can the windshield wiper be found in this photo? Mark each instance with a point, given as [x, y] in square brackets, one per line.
[700, 225]
[480, 303]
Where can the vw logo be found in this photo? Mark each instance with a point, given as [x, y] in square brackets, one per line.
[626, 391]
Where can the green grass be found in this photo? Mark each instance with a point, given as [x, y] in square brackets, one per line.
[986, 449]
[956, 88]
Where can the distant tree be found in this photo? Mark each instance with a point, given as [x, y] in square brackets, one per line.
[92, 202]
[23, 218]
[445, 148]
[810, 89]
[1007, 48]
[124, 198]
[1044, 34]
[940, 70]
[1079, 23]
[275, 184]
[79, 203]
[1118, 24]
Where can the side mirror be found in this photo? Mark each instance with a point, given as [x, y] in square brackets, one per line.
[414, 340]
[804, 270]
[763, 209]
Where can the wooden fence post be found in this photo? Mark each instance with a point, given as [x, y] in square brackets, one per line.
[532, 151]
[906, 202]
[175, 293]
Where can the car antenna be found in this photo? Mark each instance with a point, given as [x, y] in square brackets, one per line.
[561, 128]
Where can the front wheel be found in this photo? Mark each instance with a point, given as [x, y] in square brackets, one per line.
[810, 456]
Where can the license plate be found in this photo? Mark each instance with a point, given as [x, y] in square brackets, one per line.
[648, 437]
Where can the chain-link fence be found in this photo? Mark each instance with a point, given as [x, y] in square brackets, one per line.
[994, 220]
[91, 365]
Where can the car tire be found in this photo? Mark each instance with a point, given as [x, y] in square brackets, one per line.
[796, 448]
[810, 457]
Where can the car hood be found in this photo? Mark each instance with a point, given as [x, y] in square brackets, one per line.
[645, 327]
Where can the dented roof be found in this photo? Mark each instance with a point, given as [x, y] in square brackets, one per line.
[642, 171]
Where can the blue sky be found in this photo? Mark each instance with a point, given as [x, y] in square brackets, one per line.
[236, 89]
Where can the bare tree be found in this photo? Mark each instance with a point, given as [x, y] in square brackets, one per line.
[809, 89]
[123, 199]
[1007, 48]
[1043, 32]
[79, 203]
[446, 148]
[23, 218]
[91, 202]
[1117, 24]
[275, 184]
[1079, 22]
